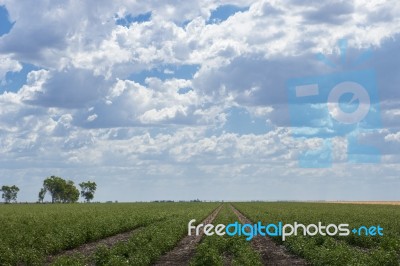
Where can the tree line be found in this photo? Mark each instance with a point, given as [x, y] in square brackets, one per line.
[60, 190]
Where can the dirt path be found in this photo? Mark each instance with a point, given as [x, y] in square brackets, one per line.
[186, 248]
[271, 253]
[89, 249]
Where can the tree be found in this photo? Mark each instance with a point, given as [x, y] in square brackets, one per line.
[9, 193]
[71, 193]
[87, 190]
[60, 189]
[54, 185]
[42, 193]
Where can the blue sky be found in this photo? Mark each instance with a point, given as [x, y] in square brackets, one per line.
[197, 99]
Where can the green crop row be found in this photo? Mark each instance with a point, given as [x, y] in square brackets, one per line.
[225, 250]
[149, 243]
[30, 233]
[327, 250]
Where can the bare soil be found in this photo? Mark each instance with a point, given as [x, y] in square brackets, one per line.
[227, 259]
[184, 251]
[271, 253]
[89, 249]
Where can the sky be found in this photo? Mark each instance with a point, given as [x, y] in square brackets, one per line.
[181, 100]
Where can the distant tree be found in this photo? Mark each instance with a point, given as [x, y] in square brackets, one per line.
[87, 190]
[71, 193]
[9, 193]
[55, 186]
[60, 190]
[42, 193]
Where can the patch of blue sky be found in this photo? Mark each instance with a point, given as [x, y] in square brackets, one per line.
[15, 80]
[223, 12]
[5, 24]
[129, 19]
[184, 23]
[358, 152]
[184, 90]
[240, 121]
[314, 120]
[309, 115]
[166, 72]
[308, 106]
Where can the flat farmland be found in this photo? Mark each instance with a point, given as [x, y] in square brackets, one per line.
[335, 250]
[156, 234]
[31, 233]
[369, 202]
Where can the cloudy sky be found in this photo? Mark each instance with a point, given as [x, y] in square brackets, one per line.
[190, 99]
